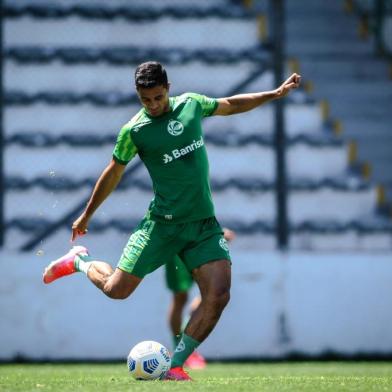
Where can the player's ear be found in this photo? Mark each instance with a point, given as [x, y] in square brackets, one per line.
[168, 86]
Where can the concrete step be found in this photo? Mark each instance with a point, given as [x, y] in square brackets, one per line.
[314, 48]
[366, 128]
[309, 6]
[349, 109]
[355, 90]
[320, 70]
[323, 33]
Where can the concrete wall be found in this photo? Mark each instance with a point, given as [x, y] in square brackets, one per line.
[305, 302]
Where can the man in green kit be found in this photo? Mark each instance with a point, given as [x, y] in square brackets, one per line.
[167, 135]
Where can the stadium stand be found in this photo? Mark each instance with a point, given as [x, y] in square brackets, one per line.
[345, 70]
[68, 80]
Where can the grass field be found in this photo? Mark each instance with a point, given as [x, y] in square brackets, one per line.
[309, 376]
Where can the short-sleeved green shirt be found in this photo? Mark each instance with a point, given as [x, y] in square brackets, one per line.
[172, 148]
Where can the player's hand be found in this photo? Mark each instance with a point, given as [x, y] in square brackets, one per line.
[291, 83]
[79, 227]
[228, 234]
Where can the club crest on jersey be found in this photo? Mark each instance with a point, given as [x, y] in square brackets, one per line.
[175, 128]
[223, 244]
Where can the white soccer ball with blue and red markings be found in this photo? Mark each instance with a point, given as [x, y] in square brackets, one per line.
[149, 360]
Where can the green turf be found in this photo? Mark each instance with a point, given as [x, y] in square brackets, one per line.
[314, 377]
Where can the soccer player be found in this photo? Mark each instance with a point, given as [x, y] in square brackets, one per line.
[179, 281]
[167, 135]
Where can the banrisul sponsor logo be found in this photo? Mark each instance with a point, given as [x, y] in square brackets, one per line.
[175, 128]
[180, 152]
[167, 158]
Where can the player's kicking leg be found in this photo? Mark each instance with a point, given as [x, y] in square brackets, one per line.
[116, 284]
[214, 280]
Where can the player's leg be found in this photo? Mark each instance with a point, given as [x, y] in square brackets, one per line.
[214, 281]
[64, 265]
[195, 361]
[115, 284]
[176, 309]
[134, 264]
[209, 259]
[178, 280]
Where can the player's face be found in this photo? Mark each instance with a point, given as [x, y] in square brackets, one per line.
[155, 99]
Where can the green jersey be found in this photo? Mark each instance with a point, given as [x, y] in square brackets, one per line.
[172, 148]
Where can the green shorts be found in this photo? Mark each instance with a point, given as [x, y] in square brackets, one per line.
[153, 244]
[178, 278]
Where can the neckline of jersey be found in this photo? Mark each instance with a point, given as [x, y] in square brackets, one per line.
[163, 115]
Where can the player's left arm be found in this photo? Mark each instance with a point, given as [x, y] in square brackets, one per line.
[244, 102]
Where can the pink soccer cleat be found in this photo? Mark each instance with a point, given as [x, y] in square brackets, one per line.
[195, 361]
[63, 266]
[177, 374]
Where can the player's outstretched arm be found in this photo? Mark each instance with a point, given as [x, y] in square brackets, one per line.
[106, 183]
[245, 102]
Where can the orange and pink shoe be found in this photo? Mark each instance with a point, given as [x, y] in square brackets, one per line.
[64, 265]
[177, 374]
[195, 361]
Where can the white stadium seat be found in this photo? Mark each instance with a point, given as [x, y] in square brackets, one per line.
[74, 31]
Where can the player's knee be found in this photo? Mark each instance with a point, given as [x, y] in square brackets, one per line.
[218, 299]
[224, 298]
[115, 292]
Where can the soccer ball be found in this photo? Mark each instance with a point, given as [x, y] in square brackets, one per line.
[149, 360]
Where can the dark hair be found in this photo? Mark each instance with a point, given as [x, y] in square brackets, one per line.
[150, 74]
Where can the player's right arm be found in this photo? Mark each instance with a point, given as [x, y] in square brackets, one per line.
[104, 186]
[123, 152]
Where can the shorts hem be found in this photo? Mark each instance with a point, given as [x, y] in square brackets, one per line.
[199, 264]
[131, 272]
[182, 290]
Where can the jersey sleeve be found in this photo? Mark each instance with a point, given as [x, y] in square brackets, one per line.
[208, 105]
[125, 149]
